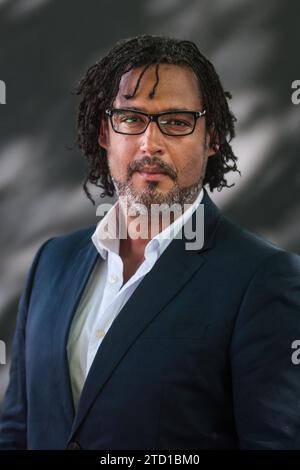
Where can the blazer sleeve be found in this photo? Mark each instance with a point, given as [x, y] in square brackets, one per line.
[13, 420]
[265, 379]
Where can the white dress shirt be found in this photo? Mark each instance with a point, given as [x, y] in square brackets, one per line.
[105, 294]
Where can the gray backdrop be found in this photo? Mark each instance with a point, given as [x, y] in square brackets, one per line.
[45, 47]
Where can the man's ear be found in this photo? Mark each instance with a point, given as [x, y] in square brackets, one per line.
[103, 138]
[212, 141]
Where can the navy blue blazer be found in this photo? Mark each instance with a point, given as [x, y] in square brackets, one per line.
[198, 358]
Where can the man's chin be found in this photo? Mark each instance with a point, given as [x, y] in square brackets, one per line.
[153, 194]
[146, 200]
[156, 185]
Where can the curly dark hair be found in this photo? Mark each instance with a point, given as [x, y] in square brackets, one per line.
[99, 87]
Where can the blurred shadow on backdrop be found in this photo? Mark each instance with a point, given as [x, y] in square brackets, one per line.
[45, 48]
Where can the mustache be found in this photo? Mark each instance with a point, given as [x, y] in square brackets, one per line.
[138, 165]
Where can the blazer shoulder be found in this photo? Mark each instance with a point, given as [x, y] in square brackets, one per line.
[247, 247]
[67, 245]
[76, 236]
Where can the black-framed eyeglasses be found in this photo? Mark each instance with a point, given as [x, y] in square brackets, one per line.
[131, 122]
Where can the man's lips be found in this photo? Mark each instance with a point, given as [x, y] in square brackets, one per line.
[152, 173]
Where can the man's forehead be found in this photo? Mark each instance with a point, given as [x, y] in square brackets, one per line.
[171, 82]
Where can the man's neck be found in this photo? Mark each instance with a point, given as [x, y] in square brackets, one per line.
[141, 228]
[139, 231]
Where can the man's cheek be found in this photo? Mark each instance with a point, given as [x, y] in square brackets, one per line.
[191, 171]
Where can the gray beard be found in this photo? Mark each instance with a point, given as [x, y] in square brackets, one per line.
[151, 195]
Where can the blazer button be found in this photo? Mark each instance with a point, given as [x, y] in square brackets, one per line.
[73, 445]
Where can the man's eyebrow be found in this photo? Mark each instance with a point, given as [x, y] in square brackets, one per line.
[167, 110]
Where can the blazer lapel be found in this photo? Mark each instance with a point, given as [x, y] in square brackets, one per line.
[75, 279]
[172, 270]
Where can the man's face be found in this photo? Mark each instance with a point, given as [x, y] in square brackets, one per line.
[179, 162]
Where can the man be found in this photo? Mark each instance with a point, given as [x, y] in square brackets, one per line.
[138, 342]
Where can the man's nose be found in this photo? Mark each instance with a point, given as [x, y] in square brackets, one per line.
[152, 140]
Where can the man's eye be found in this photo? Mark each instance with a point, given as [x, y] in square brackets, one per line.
[130, 119]
[174, 122]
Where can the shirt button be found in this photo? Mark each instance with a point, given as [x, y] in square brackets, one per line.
[73, 445]
[113, 278]
[100, 333]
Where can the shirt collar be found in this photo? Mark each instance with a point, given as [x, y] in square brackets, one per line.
[105, 236]
[168, 234]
